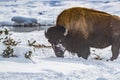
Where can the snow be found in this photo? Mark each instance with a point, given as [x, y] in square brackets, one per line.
[43, 64]
[19, 19]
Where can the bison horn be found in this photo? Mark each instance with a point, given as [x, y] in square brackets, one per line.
[46, 33]
[66, 32]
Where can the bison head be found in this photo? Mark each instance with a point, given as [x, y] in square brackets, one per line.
[55, 36]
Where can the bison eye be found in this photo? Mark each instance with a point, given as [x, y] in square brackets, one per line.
[60, 41]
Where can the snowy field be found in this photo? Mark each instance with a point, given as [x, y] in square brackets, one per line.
[43, 64]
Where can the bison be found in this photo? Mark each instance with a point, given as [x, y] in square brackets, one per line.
[77, 29]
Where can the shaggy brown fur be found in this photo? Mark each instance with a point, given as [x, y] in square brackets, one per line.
[87, 28]
[82, 20]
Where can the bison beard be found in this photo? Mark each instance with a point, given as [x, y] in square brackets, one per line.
[77, 29]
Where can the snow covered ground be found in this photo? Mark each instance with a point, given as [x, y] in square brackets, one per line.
[43, 64]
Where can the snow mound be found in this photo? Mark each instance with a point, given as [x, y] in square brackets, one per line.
[24, 20]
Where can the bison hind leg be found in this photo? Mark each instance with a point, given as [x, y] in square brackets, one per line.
[115, 47]
[84, 51]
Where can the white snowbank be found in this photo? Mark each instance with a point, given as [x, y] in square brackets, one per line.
[24, 20]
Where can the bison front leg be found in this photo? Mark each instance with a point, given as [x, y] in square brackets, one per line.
[115, 47]
[84, 51]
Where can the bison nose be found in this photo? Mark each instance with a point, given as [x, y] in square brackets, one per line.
[58, 51]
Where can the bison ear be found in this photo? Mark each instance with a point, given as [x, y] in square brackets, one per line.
[61, 28]
[64, 30]
[45, 33]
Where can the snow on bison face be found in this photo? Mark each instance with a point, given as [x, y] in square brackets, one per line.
[55, 36]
